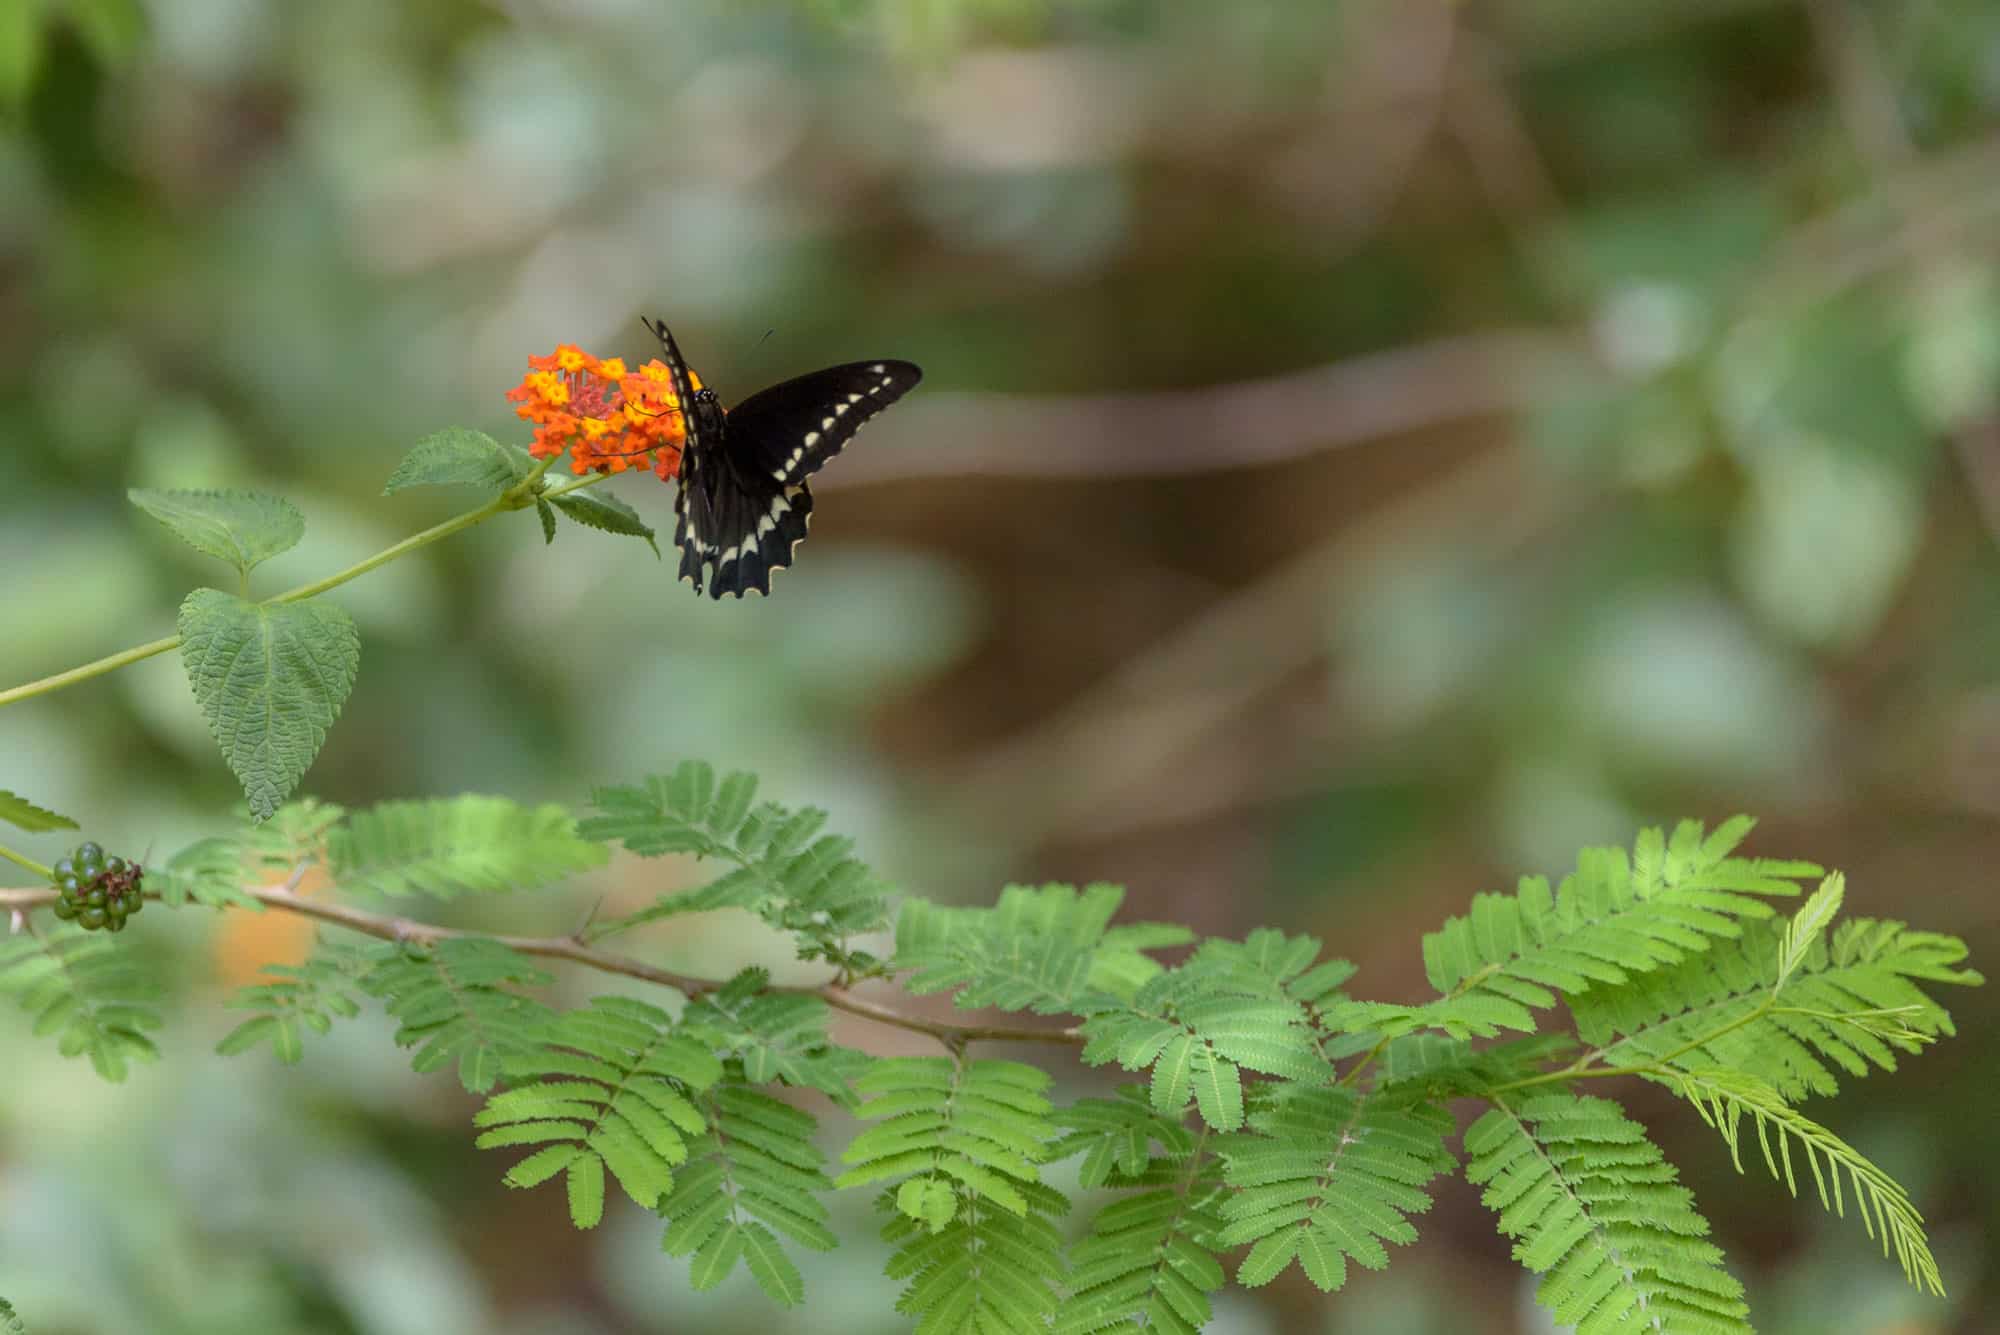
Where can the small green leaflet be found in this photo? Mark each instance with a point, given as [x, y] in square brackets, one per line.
[240, 527]
[10, 1324]
[607, 514]
[22, 814]
[456, 455]
[270, 679]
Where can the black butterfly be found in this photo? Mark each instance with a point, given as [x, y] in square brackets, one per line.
[744, 503]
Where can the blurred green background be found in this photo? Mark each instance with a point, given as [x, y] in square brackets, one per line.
[1369, 448]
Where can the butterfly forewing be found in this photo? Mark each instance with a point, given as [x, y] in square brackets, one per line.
[790, 430]
[743, 503]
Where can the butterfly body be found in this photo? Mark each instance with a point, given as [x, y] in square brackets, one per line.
[744, 501]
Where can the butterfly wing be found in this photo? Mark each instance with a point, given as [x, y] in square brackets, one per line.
[787, 433]
[743, 503]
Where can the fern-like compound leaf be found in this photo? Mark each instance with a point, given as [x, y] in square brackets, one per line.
[1329, 1175]
[1725, 1097]
[1150, 1259]
[754, 1173]
[1614, 917]
[1230, 1007]
[300, 999]
[959, 1145]
[449, 846]
[456, 1002]
[783, 869]
[94, 995]
[776, 1036]
[612, 1087]
[1853, 999]
[1596, 1211]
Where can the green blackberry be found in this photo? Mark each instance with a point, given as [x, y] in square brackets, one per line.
[97, 891]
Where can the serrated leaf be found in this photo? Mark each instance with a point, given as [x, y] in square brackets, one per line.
[607, 514]
[240, 527]
[548, 518]
[456, 456]
[270, 679]
[25, 815]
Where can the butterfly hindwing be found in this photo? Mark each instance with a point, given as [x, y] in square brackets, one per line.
[787, 432]
[743, 504]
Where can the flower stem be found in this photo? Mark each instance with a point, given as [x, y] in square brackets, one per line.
[20, 860]
[507, 500]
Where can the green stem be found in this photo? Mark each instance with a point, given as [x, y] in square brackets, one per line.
[511, 499]
[1582, 1070]
[19, 860]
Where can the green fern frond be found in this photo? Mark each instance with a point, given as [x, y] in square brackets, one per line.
[208, 872]
[1724, 1097]
[962, 1142]
[453, 1001]
[755, 1169]
[776, 1036]
[302, 997]
[614, 1088]
[1229, 1008]
[1850, 1003]
[1033, 951]
[449, 846]
[91, 993]
[1612, 918]
[1330, 1175]
[1150, 1259]
[807, 885]
[988, 1271]
[1597, 1211]
[1438, 1066]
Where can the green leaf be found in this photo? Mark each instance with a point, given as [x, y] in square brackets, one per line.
[612, 1082]
[448, 846]
[208, 871]
[1599, 1213]
[548, 518]
[243, 528]
[271, 679]
[1612, 919]
[608, 514]
[25, 815]
[928, 1201]
[1808, 925]
[92, 993]
[771, 1268]
[1723, 1098]
[715, 1260]
[586, 1191]
[457, 455]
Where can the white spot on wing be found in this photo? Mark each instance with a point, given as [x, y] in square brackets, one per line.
[841, 407]
[812, 439]
[854, 398]
[879, 367]
[826, 424]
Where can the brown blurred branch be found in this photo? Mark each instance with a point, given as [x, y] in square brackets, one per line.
[574, 950]
[1248, 424]
[1142, 717]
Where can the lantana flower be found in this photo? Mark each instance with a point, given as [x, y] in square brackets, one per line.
[609, 418]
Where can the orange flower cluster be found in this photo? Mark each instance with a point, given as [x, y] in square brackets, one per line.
[608, 418]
